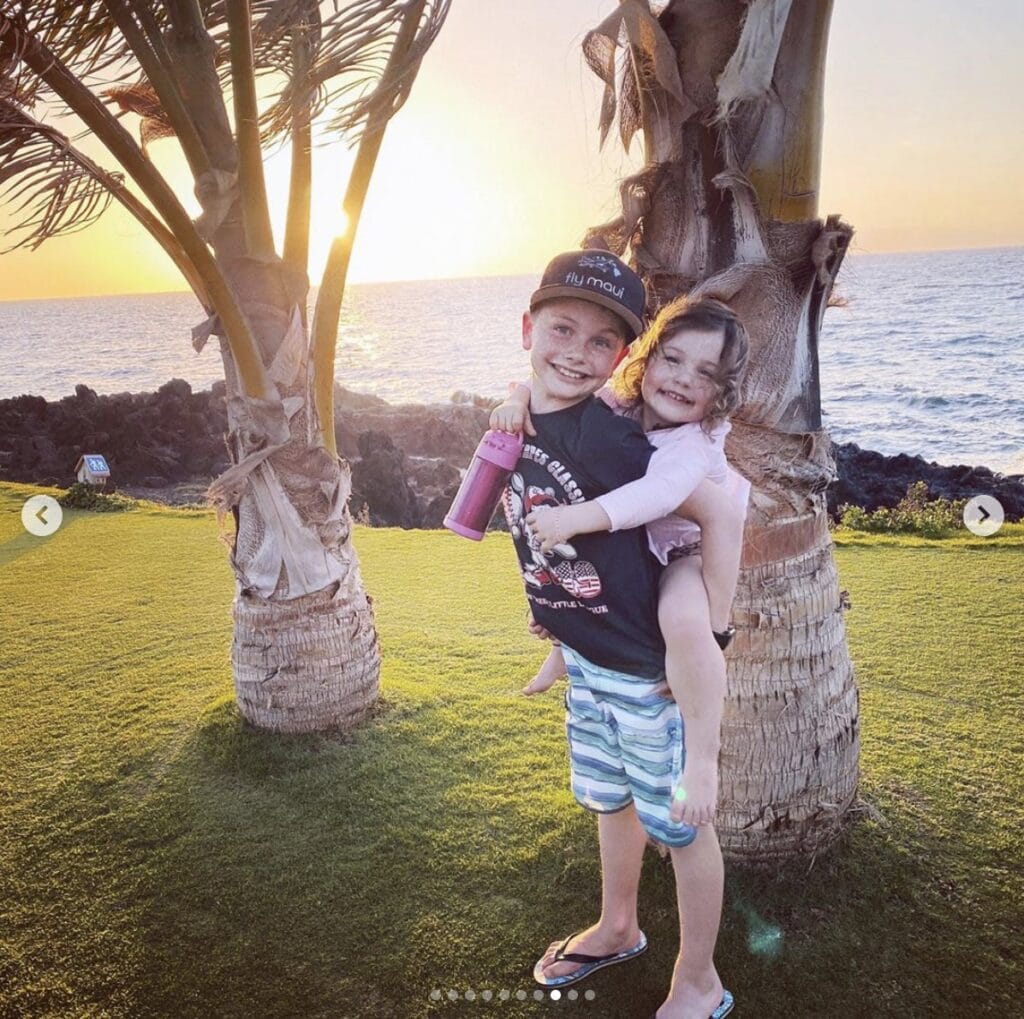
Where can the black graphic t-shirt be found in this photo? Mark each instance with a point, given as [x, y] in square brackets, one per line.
[597, 593]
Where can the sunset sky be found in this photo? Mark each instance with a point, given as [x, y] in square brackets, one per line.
[493, 163]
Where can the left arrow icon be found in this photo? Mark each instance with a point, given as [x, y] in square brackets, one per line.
[41, 515]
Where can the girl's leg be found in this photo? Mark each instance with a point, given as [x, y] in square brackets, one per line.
[696, 987]
[721, 523]
[549, 673]
[695, 669]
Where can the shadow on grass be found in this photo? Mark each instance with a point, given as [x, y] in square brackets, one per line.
[315, 876]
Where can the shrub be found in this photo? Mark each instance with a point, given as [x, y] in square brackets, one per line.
[86, 497]
[914, 514]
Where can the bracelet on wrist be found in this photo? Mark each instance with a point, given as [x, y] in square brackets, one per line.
[724, 637]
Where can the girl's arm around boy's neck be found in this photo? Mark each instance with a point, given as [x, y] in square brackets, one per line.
[513, 415]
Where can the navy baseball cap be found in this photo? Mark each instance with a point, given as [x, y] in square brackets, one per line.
[599, 277]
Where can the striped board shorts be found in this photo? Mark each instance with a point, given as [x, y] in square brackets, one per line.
[625, 746]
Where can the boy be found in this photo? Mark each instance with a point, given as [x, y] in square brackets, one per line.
[598, 596]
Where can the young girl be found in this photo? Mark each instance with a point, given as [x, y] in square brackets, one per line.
[680, 382]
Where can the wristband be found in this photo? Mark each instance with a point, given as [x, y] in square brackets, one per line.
[724, 638]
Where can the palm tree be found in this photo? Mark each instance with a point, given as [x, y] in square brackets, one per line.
[305, 652]
[728, 98]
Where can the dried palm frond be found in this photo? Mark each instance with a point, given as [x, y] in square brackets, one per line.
[81, 33]
[631, 54]
[748, 75]
[57, 189]
[141, 99]
[341, 51]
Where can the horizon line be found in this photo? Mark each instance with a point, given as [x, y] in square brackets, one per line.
[862, 252]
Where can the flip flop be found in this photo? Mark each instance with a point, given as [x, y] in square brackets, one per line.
[590, 962]
[724, 1007]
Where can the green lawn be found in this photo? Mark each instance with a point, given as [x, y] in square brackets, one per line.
[158, 858]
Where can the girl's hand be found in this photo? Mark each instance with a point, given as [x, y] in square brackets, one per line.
[511, 416]
[552, 524]
[695, 798]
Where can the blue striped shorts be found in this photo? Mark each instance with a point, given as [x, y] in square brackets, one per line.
[625, 746]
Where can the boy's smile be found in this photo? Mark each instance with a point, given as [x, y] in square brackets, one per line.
[574, 346]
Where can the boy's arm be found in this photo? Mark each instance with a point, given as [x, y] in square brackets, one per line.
[514, 414]
[721, 520]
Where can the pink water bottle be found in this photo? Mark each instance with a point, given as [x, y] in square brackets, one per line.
[481, 488]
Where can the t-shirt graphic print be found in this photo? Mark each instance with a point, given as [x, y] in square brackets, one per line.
[598, 592]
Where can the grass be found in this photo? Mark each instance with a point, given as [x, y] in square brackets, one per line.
[158, 857]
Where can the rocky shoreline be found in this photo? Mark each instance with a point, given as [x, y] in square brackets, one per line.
[406, 458]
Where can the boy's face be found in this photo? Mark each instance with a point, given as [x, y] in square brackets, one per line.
[574, 346]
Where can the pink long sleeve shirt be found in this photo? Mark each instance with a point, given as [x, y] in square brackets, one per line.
[684, 456]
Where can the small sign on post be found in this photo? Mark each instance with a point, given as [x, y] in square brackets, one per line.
[92, 469]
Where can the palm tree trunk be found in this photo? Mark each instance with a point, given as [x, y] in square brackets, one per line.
[728, 96]
[304, 653]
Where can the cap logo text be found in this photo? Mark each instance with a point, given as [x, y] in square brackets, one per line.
[577, 279]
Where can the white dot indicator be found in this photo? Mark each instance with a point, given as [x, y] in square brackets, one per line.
[556, 995]
[590, 995]
[435, 995]
[504, 995]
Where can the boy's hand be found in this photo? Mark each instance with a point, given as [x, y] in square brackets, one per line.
[695, 798]
[553, 525]
[536, 629]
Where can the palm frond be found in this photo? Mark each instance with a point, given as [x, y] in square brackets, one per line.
[43, 177]
[81, 33]
[342, 51]
[142, 100]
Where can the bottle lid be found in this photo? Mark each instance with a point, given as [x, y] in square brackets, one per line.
[500, 448]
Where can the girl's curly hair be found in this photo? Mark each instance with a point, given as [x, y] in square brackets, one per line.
[704, 314]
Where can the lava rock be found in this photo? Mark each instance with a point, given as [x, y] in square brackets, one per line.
[871, 480]
[380, 485]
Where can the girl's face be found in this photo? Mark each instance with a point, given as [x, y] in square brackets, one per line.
[679, 383]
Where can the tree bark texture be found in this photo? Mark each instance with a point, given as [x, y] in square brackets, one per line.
[728, 97]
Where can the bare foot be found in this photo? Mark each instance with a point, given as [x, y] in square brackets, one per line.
[699, 787]
[549, 673]
[689, 1000]
[593, 941]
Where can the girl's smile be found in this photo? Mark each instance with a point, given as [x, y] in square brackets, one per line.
[680, 382]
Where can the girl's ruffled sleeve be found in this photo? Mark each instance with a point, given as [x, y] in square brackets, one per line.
[674, 471]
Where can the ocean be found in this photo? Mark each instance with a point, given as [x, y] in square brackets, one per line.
[925, 357]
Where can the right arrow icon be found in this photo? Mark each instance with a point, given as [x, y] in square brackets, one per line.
[983, 515]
